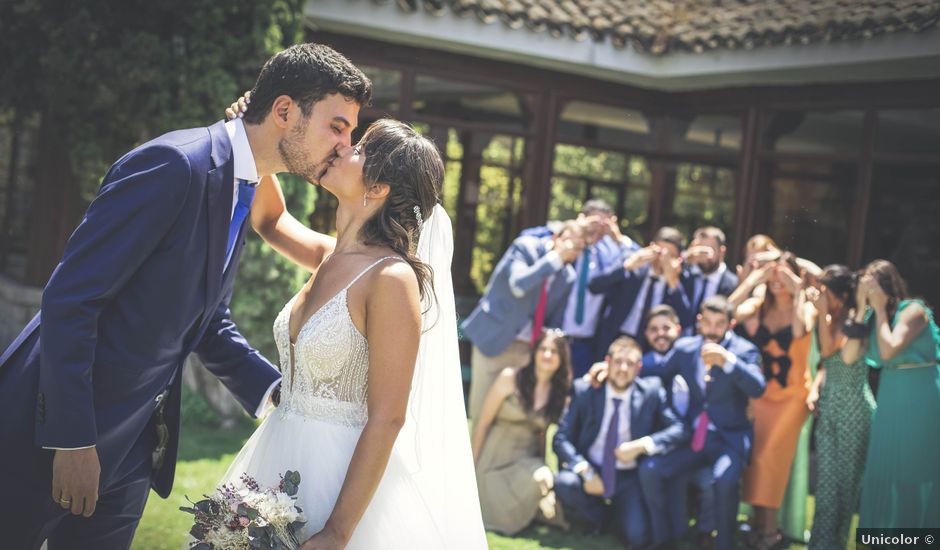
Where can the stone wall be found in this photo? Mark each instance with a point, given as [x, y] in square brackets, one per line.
[18, 304]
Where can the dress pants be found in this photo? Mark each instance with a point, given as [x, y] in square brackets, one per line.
[661, 473]
[627, 508]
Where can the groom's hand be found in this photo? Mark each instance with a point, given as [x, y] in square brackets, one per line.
[75, 480]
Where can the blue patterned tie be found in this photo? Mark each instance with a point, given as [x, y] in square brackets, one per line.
[609, 466]
[582, 286]
[246, 193]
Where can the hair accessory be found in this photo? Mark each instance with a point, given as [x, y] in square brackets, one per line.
[418, 215]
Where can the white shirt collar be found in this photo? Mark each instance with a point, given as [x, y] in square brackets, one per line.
[245, 167]
[715, 276]
[625, 395]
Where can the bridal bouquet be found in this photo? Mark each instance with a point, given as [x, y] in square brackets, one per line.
[248, 518]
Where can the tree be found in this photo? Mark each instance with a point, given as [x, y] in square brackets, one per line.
[104, 76]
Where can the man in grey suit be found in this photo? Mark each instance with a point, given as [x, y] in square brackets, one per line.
[526, 293]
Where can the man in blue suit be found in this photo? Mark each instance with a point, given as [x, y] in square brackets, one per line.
[723, 373]
[605, 436]
[91, 387]
[526, 293]
[648, 277]
[662, 331]
[708, 273]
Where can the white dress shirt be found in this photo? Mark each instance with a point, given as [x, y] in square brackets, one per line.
[244, 169]
[712, 280]
[592, 302]
[631, 325]
[596, 451]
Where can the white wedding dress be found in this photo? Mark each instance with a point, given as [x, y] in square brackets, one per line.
[317, 425]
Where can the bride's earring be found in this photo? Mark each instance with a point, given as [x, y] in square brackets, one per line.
[364, 199]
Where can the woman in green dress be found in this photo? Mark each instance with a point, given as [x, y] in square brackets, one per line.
[516, 486]
[843, 402]
[901, 484]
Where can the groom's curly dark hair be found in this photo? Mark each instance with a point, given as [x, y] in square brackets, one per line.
[307, 73]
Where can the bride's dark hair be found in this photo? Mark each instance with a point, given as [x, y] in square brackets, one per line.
[411, 166]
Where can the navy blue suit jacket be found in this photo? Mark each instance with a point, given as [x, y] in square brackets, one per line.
[513, 293]
[695, 288]
[649, 416]
[141, 284]
[727, 394]
[621, 288]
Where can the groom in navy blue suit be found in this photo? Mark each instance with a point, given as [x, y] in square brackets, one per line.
[91, 387]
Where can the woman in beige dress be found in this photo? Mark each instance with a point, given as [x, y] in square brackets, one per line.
[515, 485]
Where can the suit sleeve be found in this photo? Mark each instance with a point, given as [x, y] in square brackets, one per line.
[672, 431]
[680, 298]
[523, 277]
[227, 355]
[139, 201]
[610, 278]
[569, 428]
[664, 371]
[746, 372]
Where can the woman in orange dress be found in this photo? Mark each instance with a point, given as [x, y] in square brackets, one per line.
[779, 324]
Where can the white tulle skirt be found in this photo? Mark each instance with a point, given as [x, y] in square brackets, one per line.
[397, 517]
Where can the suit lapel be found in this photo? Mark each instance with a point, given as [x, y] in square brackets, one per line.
[221, 188]
[598, 399]
[636, 403]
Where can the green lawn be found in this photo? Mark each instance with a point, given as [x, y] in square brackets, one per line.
[205, 452]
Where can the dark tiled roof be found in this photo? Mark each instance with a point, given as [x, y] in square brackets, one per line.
[661, 26]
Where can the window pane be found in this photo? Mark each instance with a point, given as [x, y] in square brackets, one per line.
[810, 208]
[595, 164]
[495, 217]
[386, 87]
[470, 102]
[903, 227]
[706, 133]
[605, 125]
[814, 131]
[567, 198]
[583, 173]
[908, 131]
[704, 195]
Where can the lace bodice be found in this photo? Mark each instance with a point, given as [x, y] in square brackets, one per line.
[330, 362]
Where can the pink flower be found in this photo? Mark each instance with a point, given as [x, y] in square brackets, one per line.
[244, 521]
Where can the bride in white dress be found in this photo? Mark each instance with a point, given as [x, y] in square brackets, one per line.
[371, 410]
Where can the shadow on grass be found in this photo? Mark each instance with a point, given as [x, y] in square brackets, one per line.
[201, 441]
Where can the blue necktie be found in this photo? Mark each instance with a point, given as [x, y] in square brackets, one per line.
[246, 193]
[582, 287]
[609, 466]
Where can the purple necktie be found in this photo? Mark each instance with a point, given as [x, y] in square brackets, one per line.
[609, 467]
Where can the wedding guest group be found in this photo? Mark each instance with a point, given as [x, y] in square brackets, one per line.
[695, 379]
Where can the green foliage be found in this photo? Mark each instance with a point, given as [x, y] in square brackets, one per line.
[115, 74]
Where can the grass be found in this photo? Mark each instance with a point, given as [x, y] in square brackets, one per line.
[205, 453]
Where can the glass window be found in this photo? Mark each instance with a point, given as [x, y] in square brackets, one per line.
[386, 88]
[497, 207]
[908, 131]
[705, 133]
[470, 102]
[701, 195]
[583, 173]
[903, 227]
[583, 122]
[813, 131]
[810, 208]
